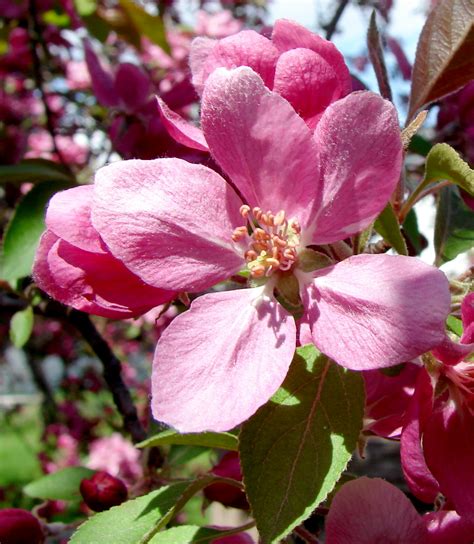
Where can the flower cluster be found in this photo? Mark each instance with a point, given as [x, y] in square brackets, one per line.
[298, 169]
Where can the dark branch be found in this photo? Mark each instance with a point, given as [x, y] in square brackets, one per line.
[332, 25]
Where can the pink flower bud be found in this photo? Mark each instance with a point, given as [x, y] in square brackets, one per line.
[102, 491]
[18, 526]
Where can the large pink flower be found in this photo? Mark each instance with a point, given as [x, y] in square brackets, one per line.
[183, 227]
[74, 266]
[438, 435]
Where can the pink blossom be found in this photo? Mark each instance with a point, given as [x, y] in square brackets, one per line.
[217, 25]
[437, 442]
[74, 266]
[115, 455]
[302, 67]
[77, 75]
[368, 511]
[40, 145]
[182, 227]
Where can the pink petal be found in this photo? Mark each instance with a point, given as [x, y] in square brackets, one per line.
[308, 82]
[217, 363]
[69, 217]
[467, 310]
[261, 143]
[451, 353]
[181, 130]
[132, 85]
[387, 399]
[290, 35]
[375, 311]
[200, 50]
[360, 150]
[369, 511]
[94, 283]
[418, 476]
[169, 221]
[446, 526]
[102, 81]
[247, 48]
[448, 442]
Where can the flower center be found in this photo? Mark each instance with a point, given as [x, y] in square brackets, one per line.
[272, 241]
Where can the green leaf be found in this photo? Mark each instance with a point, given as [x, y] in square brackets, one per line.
[21, 325]
[295, 448]
[186, 534]
[454, 325]
[52, 17]
[191, 490]
[410, 226]
[145, 24]
[387, 226]
[444, 163]
[24, 231]
[443, 60]
[420, 145]
[454, 226]
[97, 26]
[129, 522]
[85, 7]
[33, 170]
[61, 485]
[225, 441]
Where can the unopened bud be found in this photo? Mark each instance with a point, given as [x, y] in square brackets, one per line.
[102, 491]
[19, 526]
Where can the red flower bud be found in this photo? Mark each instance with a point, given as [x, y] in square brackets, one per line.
[19, 526]
[226, 494]
[102, 491]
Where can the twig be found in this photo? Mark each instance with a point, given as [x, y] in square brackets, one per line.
[305, 535]
[112, 373]
[332, 25]
[34, 28]
[111, 365]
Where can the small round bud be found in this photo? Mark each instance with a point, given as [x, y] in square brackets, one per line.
[102, 491]
[19, 526]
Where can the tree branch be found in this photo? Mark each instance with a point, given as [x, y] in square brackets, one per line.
[332, 25]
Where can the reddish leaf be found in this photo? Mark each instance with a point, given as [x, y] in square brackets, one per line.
[443, 61]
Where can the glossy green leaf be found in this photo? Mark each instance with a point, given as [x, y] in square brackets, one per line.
[24, 230]
[187, 534]
[388, 227]
[129, 522]
[148, 25]
[33, 170]
[225, 441]
[295, 448]
[193, 487]
[21, 325]
[61, 485]
[454, 226]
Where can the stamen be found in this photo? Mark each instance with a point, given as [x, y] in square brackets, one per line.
[273, 240]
